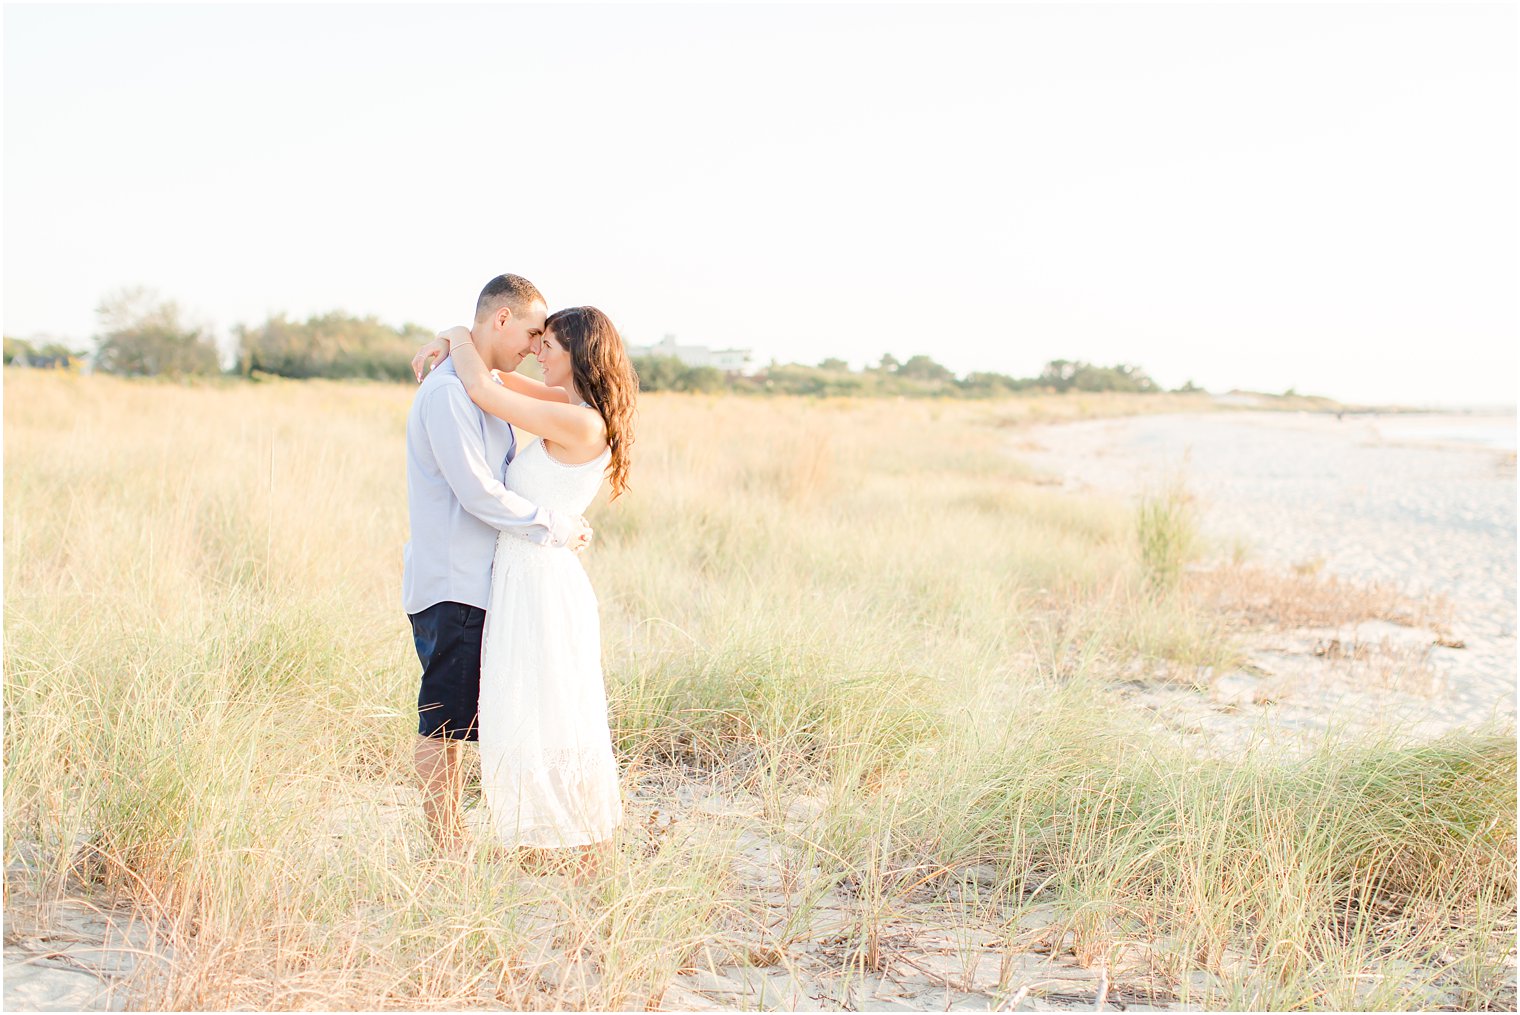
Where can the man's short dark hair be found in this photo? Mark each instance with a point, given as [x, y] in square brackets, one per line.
[512, 290]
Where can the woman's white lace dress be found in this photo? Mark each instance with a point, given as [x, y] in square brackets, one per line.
[548, 776]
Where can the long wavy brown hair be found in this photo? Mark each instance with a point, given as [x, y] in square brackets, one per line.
[603, 376]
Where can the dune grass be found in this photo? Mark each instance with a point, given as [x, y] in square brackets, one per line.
[1166, 530]
[863, 607]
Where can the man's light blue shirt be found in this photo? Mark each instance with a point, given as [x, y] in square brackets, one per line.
[456, 459]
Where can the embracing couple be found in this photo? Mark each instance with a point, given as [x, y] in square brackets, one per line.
[503, 616]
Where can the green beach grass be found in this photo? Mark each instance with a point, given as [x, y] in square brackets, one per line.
[862, 617]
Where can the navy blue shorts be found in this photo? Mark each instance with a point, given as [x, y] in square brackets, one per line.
[448, 643]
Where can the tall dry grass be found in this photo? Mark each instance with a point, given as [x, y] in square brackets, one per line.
[209, 691]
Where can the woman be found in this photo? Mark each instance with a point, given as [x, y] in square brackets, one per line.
[548, 776]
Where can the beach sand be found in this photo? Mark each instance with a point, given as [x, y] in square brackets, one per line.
[1424, 504]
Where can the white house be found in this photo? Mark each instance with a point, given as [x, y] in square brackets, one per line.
[727, 360]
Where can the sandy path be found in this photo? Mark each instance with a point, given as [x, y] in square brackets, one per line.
[72, 954]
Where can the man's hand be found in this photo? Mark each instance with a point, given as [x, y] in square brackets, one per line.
[581, 537]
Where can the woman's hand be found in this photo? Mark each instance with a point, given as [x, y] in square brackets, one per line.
[437, 350]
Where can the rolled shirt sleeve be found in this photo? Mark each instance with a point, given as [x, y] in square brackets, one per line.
[458, 446]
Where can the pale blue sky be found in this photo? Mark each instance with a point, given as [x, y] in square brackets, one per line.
[1253, 196]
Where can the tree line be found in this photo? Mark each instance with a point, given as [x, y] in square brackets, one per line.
[145, 336]
[917, 376]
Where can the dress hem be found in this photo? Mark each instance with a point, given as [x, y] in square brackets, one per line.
[551, 842]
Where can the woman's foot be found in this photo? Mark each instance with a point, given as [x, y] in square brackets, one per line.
[591, 861]
[445, 852]
[499, 854]
[539, 861]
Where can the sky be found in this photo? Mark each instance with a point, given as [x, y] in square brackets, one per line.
[1306, 196]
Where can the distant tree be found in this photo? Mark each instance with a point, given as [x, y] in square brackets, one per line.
[834, 364]
[888, 364]
[1057, 374]
[799, 379]
[1188, 387]
[1122, 377]
[51, 354]
[667, 373]
[796, 379]
[923, 368]
[985, 384]
[1141, 379]
[58, 350]
[659, 373]
[1076, 375]
[706, 379]
[333, 344]
[145, 336]
[16, 348]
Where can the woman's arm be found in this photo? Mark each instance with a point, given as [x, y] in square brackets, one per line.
[578, 428]
[438, 351]
[528, 386]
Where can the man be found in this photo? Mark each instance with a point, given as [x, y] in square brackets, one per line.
[456, 458]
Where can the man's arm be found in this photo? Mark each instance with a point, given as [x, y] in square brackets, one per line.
[453, 433]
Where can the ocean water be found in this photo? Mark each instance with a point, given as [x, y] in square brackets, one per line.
[1482, 431]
